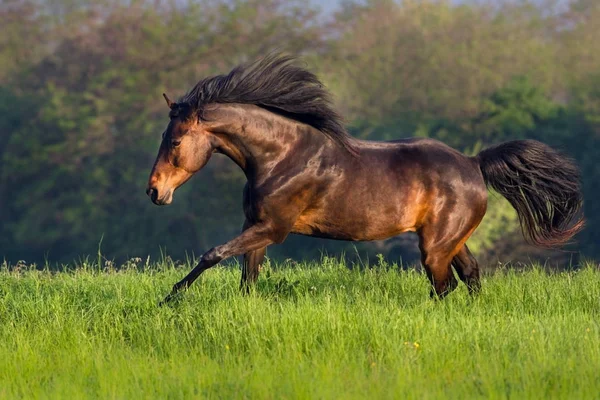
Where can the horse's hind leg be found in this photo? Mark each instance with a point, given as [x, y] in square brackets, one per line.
[436, 257]
[442, 246]
[467, 268]
[437, 266]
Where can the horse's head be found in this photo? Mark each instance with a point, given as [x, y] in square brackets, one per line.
[186, 147]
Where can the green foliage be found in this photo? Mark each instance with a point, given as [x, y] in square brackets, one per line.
[350, 333]
[515, 111]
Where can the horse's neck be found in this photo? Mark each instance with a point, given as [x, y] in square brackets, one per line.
[257, 140]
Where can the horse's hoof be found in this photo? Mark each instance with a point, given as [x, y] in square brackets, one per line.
[167, 300]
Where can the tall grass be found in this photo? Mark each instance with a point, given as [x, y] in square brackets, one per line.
[306, 331]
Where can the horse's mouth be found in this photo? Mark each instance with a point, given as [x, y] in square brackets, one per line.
[164, 200]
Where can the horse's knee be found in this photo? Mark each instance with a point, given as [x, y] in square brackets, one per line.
[211, 257]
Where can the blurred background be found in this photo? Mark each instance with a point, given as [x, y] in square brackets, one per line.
[81, 112]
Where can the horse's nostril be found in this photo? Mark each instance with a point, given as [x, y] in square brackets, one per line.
[152, 193]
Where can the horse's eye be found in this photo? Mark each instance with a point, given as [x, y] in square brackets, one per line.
[176, 143]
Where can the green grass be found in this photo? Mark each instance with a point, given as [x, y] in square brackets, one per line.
[307, 331]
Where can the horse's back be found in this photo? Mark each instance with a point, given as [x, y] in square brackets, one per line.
[423, 156]
[393, 187]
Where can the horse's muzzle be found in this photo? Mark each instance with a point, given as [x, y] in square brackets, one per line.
[159, 201]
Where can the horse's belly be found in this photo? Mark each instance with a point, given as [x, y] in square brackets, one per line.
[352, 227]
[361, 208]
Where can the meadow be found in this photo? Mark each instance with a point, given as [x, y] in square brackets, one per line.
[318, 331]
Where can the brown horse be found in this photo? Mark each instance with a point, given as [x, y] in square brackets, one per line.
[307, 176]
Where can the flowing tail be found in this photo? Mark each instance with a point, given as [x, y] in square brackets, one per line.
[541, 184]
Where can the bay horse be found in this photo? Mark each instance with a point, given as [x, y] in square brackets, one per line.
[306, 175]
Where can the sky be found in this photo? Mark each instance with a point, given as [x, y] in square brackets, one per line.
[327, 5]
[330, 5]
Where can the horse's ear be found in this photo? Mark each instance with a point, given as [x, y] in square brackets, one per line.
[169, 102]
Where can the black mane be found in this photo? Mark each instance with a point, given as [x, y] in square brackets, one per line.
[278, 85]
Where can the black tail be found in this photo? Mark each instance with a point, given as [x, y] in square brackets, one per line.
[541, 184]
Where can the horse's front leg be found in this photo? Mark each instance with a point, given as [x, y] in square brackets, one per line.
[251, 264]
[253, 238]
[251, 268]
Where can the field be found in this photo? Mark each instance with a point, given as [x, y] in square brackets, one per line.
[320, 331]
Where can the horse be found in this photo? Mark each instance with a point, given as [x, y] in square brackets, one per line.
[306, 175]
